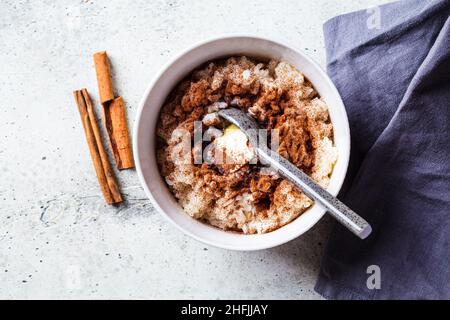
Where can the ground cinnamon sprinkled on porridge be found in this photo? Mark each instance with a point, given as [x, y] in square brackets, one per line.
[245, 195]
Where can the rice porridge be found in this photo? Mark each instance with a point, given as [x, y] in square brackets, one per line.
[243, 195]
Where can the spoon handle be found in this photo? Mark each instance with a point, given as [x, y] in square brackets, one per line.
[336, 208]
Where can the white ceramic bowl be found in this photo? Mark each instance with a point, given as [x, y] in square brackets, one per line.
[147, 117]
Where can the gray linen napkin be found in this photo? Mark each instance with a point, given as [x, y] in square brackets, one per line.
[391, 65]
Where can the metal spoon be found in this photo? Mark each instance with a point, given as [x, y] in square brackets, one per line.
[336, 208]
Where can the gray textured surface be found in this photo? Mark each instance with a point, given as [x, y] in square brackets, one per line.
[57, 238]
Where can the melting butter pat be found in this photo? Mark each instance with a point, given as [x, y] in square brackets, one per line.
[233, 148]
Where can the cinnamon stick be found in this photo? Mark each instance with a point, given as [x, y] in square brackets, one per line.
[105, 175]
[105, 87]
[114, 114]
[116, 126]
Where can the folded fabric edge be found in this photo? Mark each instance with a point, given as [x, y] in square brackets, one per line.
[412, 86]
[329, 292]
[330, 26]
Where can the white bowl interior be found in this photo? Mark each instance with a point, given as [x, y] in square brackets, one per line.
[145, 138]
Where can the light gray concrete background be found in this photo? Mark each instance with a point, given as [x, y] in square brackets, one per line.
[57, 237]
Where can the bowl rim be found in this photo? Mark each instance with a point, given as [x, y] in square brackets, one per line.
[345, 125]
